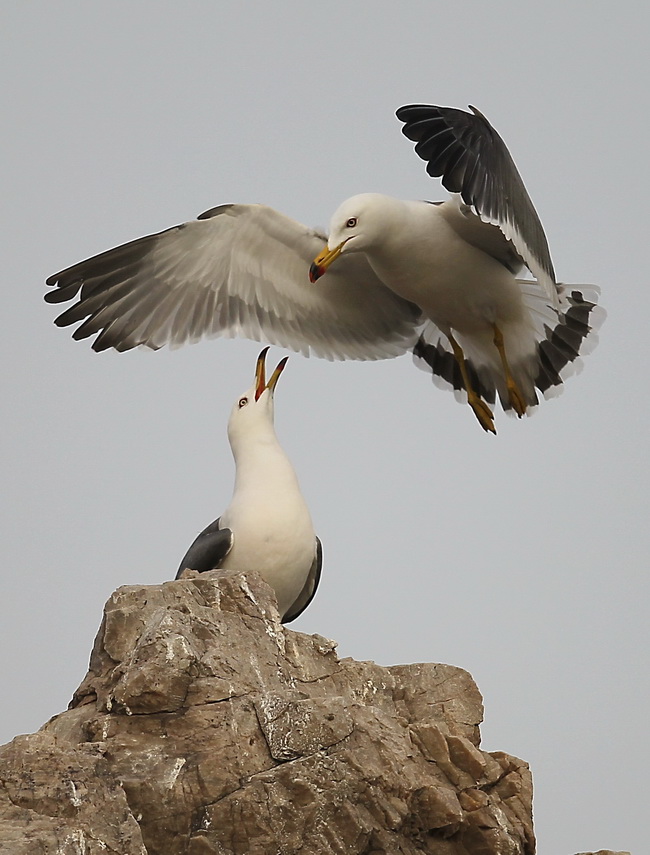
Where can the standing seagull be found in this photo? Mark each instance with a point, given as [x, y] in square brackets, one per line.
[439, 279]
[267, 526]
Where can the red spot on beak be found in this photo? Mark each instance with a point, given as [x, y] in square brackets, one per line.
[315, 272]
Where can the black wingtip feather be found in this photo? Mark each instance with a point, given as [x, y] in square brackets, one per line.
[63, 293]
[563, 343]
[499, 193]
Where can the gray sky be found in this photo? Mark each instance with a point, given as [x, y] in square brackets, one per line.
[521, 558]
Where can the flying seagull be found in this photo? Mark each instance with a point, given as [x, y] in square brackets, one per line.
[267, 526]
[439, 279]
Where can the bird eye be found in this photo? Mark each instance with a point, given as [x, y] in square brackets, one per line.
[351, 223]
[242, 402]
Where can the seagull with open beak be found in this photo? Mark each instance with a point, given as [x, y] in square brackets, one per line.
[267, 526]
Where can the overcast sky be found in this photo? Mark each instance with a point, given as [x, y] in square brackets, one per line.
[521, 557]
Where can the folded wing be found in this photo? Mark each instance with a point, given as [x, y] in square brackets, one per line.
[208, 550]
[309, 590]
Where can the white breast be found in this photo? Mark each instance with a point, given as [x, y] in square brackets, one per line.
[270, 521]
[456, 284]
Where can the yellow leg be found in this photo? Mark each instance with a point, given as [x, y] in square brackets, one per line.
[516, 398]
[481, 410]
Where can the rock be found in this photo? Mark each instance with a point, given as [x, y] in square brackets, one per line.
[62, 799]
[204, 727]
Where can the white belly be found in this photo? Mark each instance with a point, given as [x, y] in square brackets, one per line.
[276, 539]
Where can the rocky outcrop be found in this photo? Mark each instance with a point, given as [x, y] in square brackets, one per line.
[204, 726]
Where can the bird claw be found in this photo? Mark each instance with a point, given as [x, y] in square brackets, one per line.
[482, 412]
[516, 399]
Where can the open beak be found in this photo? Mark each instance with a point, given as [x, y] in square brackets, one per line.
[260, 375]
[276, 373]
[323, 260]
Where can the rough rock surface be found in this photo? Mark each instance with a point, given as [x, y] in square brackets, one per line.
[203, 726]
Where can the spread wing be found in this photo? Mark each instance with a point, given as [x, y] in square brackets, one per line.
[465, 151]
[238, 270]
[309, 590]
[208, 550]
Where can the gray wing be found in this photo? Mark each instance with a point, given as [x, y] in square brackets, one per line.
[238, 270]
[208, 550]
[309, 590]
[471, 158]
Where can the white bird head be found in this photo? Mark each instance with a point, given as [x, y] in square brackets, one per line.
[358, 224]
[253, 410]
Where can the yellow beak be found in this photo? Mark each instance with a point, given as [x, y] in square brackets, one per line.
[274, 377]
[260, 374]
[323, 260]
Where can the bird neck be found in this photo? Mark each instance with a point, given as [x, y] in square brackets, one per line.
[260, 459]
[412, 237]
